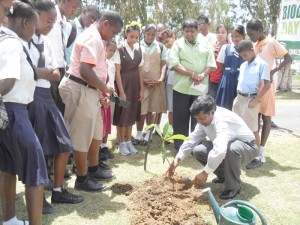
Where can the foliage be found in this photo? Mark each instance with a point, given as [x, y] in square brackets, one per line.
[166, 136]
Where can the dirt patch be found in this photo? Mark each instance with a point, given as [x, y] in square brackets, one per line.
[162, 201]
[125, 189]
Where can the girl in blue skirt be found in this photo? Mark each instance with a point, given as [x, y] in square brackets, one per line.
[230, 64]
[46, 119]
[20, 150]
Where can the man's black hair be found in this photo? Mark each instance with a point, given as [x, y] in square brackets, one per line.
[190, 23]
[244, 45]
[204, 104]
[203, 17]
[255, 24]
[44, 5]
[112, 16]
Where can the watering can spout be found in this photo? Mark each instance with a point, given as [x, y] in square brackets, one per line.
[215, 206]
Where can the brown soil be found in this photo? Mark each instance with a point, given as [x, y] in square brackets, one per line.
[163, 201]
[125, 189]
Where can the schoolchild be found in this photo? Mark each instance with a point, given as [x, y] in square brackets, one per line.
[79, 91]
[154, 55]
[267, 48]
[21, 153]
[129, 77]
[230, 62]
[47, 121]
[252, 72]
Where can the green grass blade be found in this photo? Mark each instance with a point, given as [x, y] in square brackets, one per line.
[149, 127]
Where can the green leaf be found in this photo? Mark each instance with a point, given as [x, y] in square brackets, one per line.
[163, 152]
[177, 137]
[158, 130]
[149, 127]
[167, 130]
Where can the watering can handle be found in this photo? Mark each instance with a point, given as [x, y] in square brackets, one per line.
[254, 208]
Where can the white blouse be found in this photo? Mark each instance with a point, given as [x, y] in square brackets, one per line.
[49, 57]
[13, 64]
[117, 58]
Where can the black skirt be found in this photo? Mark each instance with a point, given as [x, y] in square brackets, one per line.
[20, 150]
[48, 123]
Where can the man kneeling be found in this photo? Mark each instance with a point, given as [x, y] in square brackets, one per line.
[231, 145]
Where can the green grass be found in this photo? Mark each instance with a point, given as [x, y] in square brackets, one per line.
[296, 80]
[274, 188]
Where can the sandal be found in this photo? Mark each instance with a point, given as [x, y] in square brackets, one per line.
[136, 141]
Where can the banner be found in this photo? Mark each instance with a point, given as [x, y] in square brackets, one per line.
[288, 32]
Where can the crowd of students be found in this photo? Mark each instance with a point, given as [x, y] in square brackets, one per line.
[57, 76]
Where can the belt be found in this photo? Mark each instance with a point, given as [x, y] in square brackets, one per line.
[247, 95]
[78, 80]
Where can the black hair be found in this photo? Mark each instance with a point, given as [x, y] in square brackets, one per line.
[190, 23]
[92, 9]
[240, 29]
[44, 5]
[150, 26]
[204, 104]
[255, 24]
[222, 25]
[22, 9]
[203, 17]
[112, 16]
[244, 45]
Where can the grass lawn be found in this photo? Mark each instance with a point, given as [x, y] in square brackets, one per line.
[273, 188]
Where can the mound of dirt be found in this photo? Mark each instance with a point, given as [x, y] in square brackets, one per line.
[162, 201]
[125, 189]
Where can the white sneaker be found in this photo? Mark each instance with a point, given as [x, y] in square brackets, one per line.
[131, 148]
[262, 158]
[123, 149]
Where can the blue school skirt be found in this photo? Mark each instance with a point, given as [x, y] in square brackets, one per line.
[48, 123]
[20, 150]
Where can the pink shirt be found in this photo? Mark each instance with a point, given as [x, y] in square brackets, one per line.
[89, 48]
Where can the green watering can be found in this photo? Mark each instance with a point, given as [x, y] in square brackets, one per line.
[236, 212]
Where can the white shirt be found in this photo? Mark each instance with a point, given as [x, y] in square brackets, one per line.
[13, 64]
[49, 57]
[226, 126]
[111, 70]
[117, 58]
[222, 53]
[211, 38]
[55, 38]
[170, 73]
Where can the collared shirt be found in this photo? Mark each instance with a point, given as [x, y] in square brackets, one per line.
[116, 56]
[268, 49]
[150, 49]
[225, 127]
[192, 57]
[251, 74]
[211, 38]
[111, 70]
[79, 30]
[89, 48]
[49, 57]
[222, 53]
[55, 37]
[14, 64]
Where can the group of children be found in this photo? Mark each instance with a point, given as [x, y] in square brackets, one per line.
[53, 111]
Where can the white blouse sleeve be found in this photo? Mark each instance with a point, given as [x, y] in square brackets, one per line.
[222, 54]
[116, 57]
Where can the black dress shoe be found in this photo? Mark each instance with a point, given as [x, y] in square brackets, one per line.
[103, 156]
[229, 194]
[89, 185]
[108, 153]
[135, 141]
[104, 166]
[218, 180]
[101, 174]
[65, 197]
[47, 207]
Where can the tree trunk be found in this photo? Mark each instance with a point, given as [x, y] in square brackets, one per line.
[286, 80]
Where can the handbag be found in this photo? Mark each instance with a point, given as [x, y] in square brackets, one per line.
[3, 115]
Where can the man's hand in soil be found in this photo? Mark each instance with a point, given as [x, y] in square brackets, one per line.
[172, 167]
[200, 178]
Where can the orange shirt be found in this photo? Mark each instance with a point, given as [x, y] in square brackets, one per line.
[89, 48]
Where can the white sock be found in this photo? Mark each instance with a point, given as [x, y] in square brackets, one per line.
[261, 150]
[146, 138]
[139, 135]
[103, 145]
[59, 189]
[15, 221]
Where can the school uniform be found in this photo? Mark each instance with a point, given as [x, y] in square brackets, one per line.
[153, 97]
[232, 61]
[251, 76]
[20, 150]
[130, 60]
[43, 112]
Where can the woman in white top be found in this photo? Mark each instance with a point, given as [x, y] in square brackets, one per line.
[43, 112]
[20, 150]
